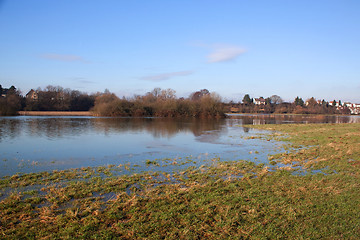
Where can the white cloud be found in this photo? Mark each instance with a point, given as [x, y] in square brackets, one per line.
[64, 58]
[166, 76]
[225, 54]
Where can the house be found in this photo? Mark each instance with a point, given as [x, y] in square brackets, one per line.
[353, 107]
[349, 104]
[335, 103]
[259, 101]
[3, 92]
[32, 95]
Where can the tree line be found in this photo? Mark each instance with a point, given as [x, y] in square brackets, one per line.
[52, 98]
[56, 98]
[161, 103]
[10, 101]
[157, 103]
[275, 104]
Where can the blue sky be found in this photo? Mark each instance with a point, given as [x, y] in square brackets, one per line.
[289, 48]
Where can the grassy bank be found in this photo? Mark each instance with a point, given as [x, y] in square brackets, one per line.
[228, 200]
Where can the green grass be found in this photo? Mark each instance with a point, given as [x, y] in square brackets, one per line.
[228, 200]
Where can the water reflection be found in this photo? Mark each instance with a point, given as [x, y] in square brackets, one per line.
[55, 128]
[258, 119]
[59, 127]
[157, 127]
[33, 144]
[9, 128]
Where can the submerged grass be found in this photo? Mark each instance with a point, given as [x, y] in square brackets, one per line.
[227, 200]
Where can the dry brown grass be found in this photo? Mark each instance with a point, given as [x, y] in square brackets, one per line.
[55, 113]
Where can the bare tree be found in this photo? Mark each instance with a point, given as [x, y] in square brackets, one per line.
[275, 99]
[199, 94]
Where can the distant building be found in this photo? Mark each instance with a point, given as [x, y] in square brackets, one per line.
[259, 101]
[335, 103]
[353, 107]
[32, 95]
[4, 92]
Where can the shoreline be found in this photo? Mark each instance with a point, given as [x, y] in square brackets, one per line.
[89, 113]
[55, 113]
[295, 114]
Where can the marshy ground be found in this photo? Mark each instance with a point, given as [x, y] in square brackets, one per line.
[309, 190]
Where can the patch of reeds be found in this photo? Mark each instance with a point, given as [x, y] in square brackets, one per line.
[55, 113]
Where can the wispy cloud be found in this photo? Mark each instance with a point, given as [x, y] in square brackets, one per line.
[82, 80]
[166, 76]
[225, 54]
[64, 58]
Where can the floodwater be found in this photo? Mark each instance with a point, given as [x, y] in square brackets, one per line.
[35, 144]
[258, 119]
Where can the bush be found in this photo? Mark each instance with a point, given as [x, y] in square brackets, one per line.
[159, 104]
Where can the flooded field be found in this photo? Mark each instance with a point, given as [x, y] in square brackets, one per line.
[127, 177]
[34, 144]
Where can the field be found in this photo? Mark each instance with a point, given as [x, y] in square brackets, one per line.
[309, 191]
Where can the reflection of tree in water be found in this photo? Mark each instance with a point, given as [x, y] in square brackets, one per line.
[58, 127]
[53, 128]
[256, 119]
[43, 127]
[10, 128]
[158, 127]
[246, 129]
